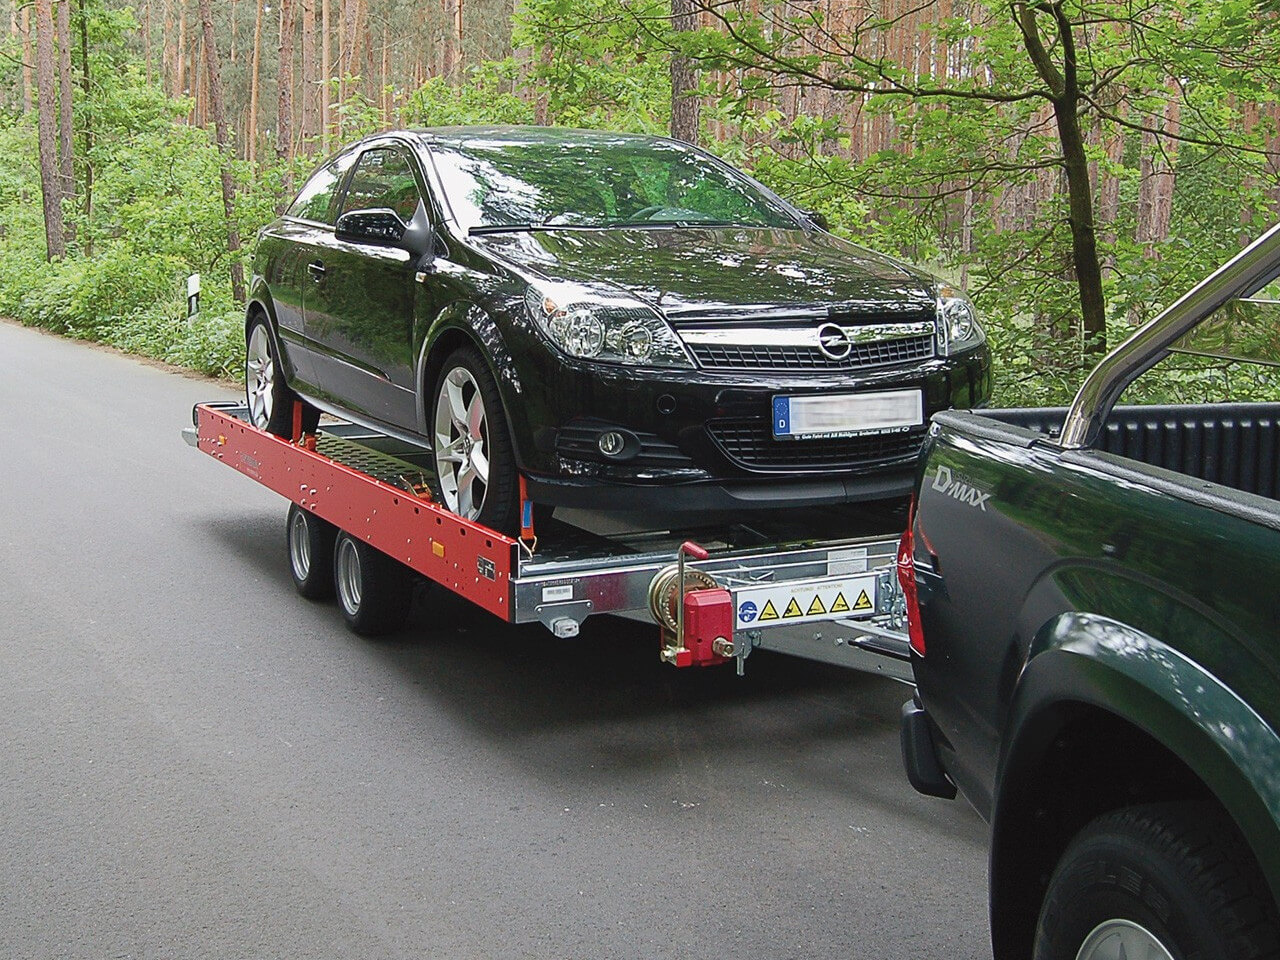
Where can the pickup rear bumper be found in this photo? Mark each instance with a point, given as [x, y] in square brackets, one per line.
[920, 754]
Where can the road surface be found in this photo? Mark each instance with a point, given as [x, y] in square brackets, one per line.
[199, 763]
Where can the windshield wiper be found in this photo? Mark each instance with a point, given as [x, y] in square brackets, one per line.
[679, 224]
[611, 225]
[508, 228]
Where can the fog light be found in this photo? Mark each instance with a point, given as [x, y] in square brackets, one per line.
[612, 443]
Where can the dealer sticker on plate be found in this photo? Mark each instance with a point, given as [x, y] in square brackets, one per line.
[847, 414]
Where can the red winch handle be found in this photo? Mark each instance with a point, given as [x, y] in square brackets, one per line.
[691, 549]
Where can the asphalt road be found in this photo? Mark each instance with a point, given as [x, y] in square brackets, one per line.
[198, 763]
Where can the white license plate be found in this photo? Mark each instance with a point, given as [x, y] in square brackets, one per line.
[847, 414]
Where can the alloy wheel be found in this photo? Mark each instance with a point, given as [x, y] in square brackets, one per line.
[259, 378]
[461, 443]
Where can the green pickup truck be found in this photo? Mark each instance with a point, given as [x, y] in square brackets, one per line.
[1093, 596]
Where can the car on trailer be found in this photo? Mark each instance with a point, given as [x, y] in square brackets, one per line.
[614, 320]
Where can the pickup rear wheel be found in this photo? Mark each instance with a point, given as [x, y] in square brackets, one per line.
[310, 543]
[1158, 882]
[374, 591]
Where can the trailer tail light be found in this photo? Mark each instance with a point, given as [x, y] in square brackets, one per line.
[907, 580]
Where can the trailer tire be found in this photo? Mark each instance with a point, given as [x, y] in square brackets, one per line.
[310, 547]
[269, 397]
[374, 591]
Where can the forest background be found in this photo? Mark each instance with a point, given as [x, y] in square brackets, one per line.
[1073, 164]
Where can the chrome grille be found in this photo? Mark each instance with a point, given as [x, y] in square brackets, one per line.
[731, 356]
[749, 443]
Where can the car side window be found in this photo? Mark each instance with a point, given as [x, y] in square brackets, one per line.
[315, 199]
[383, 178]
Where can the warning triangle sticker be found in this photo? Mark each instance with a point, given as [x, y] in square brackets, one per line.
[863, 602]
[769, 613]
[793, 610]
[816, 607]
[841, 605]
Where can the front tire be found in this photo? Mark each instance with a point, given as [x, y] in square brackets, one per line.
[269, 397]
[1158, 882]
[474, 459]
[374, 591]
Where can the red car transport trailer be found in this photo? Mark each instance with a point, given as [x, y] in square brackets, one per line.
[818, 583]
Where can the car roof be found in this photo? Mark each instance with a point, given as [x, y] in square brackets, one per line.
[529, 134]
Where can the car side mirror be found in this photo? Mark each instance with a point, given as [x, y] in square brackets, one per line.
[819, 220]
[381, 226]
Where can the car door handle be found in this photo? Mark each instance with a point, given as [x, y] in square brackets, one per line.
[316, 269]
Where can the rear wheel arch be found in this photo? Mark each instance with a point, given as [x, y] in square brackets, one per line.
[1079, 752]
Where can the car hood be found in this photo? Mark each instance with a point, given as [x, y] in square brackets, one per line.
[691, 273]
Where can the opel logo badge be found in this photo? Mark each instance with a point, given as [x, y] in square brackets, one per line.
[834, 342]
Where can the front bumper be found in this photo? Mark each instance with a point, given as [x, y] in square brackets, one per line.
[708, 434]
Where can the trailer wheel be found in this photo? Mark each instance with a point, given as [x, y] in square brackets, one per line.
[374, 591]
[269, 397]
[310, 543]
[1171, 880]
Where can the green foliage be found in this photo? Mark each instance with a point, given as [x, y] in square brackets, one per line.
[937, 191]
[599, 63]
[487, 97]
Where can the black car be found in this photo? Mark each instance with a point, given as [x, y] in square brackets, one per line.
[624, 321]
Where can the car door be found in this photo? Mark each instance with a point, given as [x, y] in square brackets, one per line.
[287, 247]
[359, 309]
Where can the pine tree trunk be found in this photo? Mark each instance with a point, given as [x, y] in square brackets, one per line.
[284, 75]
[50, 182]
[180, 54]
[446, 45]
[460, 60]
[15, 37]
[254, 74]
[146, 39]
[684, 78]
[66, 151]
[86, 90]
[387, 95]
[347, 49]
[222, 137]
[307, 120]
[28, 84]
[326, 71]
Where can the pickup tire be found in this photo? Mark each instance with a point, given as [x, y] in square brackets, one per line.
[1170, 877]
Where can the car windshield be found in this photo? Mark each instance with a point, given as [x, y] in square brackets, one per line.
[495, 185]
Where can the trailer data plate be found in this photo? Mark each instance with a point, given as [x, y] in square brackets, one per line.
[802, 601]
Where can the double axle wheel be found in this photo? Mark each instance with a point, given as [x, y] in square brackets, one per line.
[374, 591]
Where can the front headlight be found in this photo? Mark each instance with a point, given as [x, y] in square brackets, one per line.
[958, 326]
[616, 331]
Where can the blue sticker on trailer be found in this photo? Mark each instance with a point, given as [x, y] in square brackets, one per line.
[781, 416]
[747, 612]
